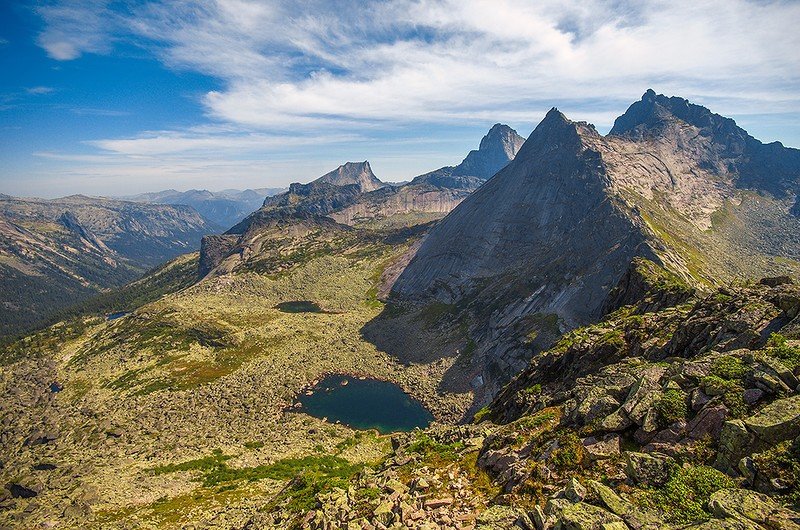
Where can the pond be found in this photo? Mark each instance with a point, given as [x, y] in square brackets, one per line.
[119, 314]
[299, 306]
[364, 404]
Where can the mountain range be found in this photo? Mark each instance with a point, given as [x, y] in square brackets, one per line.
[551, 234]
[224, 208]
[352, 195]
[55, 253]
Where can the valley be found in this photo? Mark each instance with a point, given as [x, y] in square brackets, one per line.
[603, 330]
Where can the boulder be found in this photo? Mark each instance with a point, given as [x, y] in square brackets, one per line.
[607, 447]
[648, 469]
[777, 422]
[498, 517]
[756, 507]
[708, 422]
[634, 516]
[581, 516]
[734, 441]
[575, 491]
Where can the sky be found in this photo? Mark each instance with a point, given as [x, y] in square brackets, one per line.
[122, 97]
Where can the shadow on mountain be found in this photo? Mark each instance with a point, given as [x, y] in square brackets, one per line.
[415, 337]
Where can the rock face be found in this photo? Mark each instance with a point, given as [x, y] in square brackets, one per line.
[497, 148]
[555, 230]
[731, 150]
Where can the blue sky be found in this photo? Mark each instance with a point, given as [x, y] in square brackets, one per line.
[114, 98]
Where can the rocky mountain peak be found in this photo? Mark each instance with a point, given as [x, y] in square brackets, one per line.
[359, 173]
[497, 148]
[651, 113]
[722, 146]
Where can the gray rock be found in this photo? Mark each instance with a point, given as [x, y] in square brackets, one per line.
[648, 469]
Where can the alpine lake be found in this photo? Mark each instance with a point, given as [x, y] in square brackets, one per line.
[364, 404]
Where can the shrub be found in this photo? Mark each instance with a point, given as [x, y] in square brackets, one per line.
[671, 406]
[428, 447]
[731, 391]
[685, 496]
[728, 367]
[778, 347]
[569, 452]
[782, 462]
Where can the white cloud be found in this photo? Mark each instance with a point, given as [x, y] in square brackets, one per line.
[317, 64]
[39, 90]
[75, 28]
[293, 71]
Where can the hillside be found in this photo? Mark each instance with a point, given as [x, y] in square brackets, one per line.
[54, 253]
[576, 327]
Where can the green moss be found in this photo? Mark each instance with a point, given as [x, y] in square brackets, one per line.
[614, 338]
[671, 406]
[482, 414]
[215, 471]
[782, 462]
[533, 390]
[778, 347]
[731, 391]
[728, 367]
[428, 447]
[569, 453]
[684, 499]
[536, 420]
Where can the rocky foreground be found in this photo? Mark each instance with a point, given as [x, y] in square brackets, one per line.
[676, 411]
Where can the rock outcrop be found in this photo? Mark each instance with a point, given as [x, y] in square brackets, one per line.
[353, 173]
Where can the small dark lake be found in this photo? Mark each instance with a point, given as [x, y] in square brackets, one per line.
[365, 404]
[299, 306]
[120, 314]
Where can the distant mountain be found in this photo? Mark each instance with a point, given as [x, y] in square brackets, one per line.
[351, 194]
[224, 208]
[54, 253]
[546, 239]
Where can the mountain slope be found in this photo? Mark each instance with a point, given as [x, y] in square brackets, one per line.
[548, 237]
[54, 253]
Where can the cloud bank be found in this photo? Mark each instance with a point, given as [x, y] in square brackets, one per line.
[355, 67]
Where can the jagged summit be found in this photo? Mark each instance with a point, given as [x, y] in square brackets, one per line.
[656, 110]
[499, 146]
[359, 173]
[723, 148]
